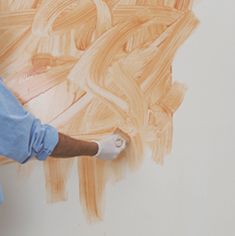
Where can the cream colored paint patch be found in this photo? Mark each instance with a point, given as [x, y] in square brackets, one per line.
[88, 67]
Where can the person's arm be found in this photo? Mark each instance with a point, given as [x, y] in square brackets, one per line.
[107, 148]
[23, 136]
[70, 147]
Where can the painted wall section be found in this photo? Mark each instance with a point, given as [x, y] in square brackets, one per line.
[87, 67]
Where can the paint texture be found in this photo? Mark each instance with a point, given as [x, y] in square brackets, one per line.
[87, 67]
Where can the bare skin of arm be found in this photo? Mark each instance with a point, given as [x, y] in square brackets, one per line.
[70, 147]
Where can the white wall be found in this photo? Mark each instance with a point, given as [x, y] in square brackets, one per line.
[193, 194]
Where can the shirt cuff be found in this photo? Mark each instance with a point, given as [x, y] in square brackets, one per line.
[50, 140]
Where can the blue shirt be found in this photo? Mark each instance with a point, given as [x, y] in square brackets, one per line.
[22, 136]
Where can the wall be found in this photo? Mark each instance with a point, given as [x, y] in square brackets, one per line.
[193, 192]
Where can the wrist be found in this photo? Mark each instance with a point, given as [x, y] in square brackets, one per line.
[95, 148]
[98, 150]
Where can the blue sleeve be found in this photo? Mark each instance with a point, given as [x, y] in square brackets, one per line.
[1, 195]
[22, 136]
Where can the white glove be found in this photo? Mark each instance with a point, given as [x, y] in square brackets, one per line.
[110, 147]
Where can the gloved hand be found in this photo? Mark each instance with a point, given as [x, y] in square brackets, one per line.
[110, 147]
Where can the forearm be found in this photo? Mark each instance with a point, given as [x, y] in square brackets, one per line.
[70, 147]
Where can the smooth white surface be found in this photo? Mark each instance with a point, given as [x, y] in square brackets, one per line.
[193, 194]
